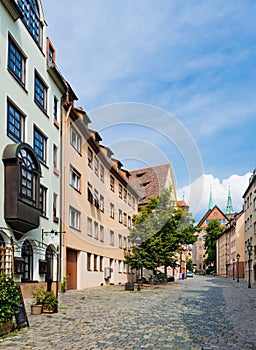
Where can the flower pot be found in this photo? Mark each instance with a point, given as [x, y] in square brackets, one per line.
[36, 309]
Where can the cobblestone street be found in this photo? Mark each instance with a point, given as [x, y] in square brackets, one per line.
[198, 313]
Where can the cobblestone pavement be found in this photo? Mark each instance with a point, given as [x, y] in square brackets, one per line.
[198, 313]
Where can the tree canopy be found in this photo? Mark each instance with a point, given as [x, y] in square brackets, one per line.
[213, 231]
[163, 229]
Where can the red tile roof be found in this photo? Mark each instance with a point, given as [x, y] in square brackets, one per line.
[149, 182]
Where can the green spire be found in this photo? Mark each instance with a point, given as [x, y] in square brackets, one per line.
[229, 208]
[210, 205]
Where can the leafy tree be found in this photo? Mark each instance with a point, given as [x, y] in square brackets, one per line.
[213, 231]
[163, 229]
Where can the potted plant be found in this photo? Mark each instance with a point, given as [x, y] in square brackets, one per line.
[9, 301]
[50, 302]
[38, 294]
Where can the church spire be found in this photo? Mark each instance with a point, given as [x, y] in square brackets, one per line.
[210, 205]
[229, 207]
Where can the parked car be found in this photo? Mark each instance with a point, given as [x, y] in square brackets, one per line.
[190, 274]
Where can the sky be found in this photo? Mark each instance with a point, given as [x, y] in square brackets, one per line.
[168, 81]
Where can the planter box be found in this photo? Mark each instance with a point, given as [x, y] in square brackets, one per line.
[36, 309]
[6, 328]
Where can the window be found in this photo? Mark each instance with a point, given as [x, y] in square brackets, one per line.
[101, 203]
[129, 199]
[133, 202]
[28, 177]
[112, 212]
[96, 166]
[112, 183]
[125, 195]
[31, 19]
[16, 62]
[96, 230]
[129, 222]
[75, 139]
[55, 159]
[129, 243]
[95, 258]
[120, 191]
[55, 207]
[96, 199]
[125, 242]
[89, 261]
[55, 108]
[89, 193]
[74, 218]
[120, 216]
[111, 237]
[75, 178]
[102, 173]
[40, 145]
[40, 93]
[101, 233]
[125, 219]
[120, 241]
[51, 52]
[90, 157]
[42, 200]
[27, 255]
[89, 226]
[101, 263]
[15, 123]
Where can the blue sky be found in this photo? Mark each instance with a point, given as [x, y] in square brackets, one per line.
[189, 63]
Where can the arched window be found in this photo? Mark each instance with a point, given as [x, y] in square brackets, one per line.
[31, 18]
[27, 176]
[49, 258]
[27, 255]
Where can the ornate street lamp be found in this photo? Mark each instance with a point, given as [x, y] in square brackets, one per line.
[237, 265]
[233, 269]
[138, 242]
[249, 249]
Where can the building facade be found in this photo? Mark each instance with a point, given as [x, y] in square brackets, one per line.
[98, 206]
[230, 248]
[250, 228]
[31, 91]
[199, 251]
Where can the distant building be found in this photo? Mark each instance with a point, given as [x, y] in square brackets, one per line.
[214, 212]
[250, 227]
[229, 246]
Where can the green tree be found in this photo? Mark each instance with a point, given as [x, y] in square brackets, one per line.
[163, 229]
[213, 231]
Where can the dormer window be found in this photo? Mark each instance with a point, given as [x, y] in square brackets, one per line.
[31, 19]
[51, 52]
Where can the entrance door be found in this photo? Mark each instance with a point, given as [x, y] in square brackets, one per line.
[71, 269]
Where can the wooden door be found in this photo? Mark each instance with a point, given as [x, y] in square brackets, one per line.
[71, 269]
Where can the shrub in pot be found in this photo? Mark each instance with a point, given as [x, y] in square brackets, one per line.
[9, 301]
[49, 302]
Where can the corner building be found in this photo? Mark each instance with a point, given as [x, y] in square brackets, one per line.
[31, 91]
[98, 206]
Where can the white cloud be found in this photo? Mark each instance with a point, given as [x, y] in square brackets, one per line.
[197, 194]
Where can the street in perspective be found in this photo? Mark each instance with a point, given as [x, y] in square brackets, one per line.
[202, 312]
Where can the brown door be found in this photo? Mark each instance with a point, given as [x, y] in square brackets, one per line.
[72, 269]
